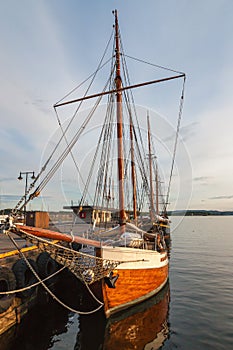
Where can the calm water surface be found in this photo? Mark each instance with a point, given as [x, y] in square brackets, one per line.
[194, 311]
[201, 280]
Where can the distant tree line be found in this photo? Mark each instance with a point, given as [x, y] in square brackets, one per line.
[199, 213]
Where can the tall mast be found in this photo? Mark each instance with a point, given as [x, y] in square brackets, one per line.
[133, 172]
[118, 83]
[157, 188]
[152, 209]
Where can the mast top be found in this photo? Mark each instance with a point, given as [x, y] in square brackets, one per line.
[115, 13]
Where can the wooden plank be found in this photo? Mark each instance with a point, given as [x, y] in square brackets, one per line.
[14, 252]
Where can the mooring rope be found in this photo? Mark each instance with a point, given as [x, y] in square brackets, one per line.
[40, 281]
[44, 245]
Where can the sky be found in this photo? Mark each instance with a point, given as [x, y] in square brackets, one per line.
[50, 46]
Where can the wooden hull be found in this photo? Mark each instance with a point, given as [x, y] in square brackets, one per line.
[142, 273]
[138, 280]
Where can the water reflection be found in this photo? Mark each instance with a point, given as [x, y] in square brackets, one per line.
[38, 329]
[142, 327]
[50, 326]
[146, 327]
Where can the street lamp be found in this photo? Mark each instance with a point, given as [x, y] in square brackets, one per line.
[26, 187]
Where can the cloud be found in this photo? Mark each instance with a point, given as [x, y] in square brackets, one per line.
[189, 131]
[222, 197]
[202, 178]
[3, 179]
[186, 132]
[9, 197]
[42, 58]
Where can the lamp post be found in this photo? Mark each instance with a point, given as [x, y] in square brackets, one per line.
[20, 177]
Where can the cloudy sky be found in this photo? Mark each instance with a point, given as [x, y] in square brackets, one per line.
[48, 47]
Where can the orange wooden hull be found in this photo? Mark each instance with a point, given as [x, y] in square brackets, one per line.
[132, 287]
[142, 273]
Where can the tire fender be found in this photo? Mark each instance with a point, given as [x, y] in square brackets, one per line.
[7, 283]
[25, 277]
[46, 265]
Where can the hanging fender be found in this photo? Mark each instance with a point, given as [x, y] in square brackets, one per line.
[7, 283]
[25, 277]
[46, 265]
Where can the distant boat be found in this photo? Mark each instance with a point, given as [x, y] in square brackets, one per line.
[129, 259]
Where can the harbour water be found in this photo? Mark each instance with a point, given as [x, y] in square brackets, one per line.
[194, 311]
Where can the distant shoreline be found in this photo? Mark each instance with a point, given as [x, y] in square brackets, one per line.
[190, 212]
[200, 213]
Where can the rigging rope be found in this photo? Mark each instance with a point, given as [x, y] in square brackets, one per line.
[70, 145]
[94, 159]
[49, 290]
[86, 92]
[141, 153]
[37, 191]
[154, 65]
[100, 66]
[179, 116]
[64, 154]
[106, 134]
[175, 145]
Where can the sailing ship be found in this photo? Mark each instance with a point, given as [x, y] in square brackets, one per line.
[127, 261]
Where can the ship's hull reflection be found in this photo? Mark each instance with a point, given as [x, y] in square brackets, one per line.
[49, 326]
[142, 327]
